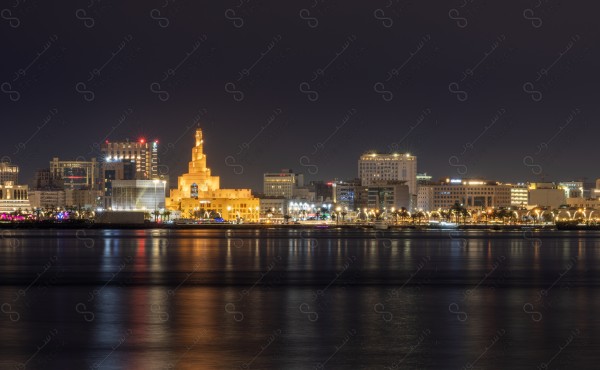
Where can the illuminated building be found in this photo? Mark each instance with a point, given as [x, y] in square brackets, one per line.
[519, 195]
[272, 209]
[546, 194]
[584, 204]
[423, 179]
[282, 184]
[14, 198]
[142, 154]
[198, 190]
[75, 174]
[135, 165]
[9, 172]
[374, 168]
[572, 189]
[130, 195]
[470, 193]
[344, 193]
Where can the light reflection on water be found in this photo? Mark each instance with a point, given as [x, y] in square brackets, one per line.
[167, 299]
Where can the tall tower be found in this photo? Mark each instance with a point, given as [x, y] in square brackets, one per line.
[198, 163]
[198, 179]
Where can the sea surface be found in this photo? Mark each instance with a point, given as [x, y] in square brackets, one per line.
[299, 299]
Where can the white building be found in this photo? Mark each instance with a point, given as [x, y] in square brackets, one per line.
[572, 189]
[374, 168]
[471, 193]
[546, 195]
[130, 195]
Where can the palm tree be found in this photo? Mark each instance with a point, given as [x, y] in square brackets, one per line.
[166, 214]
[403, 213]
[287, 218]
[458, 210]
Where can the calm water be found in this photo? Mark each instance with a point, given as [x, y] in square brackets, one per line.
[327, 299]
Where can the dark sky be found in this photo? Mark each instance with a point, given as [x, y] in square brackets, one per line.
[503, 90]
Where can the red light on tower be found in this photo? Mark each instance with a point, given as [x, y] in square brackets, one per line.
[142, 141]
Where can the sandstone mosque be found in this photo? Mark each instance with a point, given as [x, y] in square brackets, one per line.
[198, 190]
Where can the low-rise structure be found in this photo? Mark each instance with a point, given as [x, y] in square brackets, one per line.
[47, 199]
[384, 195]
[547, 195]
[138, 195]
[14, 198]
[473, 194]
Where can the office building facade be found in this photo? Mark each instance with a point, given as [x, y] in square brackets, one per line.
[9, 172]
[75, 174]
[373, 168]
[470, 193]
[143, 155]
[282, 184]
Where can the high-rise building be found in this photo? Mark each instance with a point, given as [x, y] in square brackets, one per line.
[197, 190]
[75, 174]
[9, 172]
[373, 168]
[142, 154]
[282, 184]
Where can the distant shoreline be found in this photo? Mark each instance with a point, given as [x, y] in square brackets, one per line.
[224, 226]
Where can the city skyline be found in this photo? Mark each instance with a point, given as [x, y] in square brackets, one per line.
[277, 89]
[258, 188]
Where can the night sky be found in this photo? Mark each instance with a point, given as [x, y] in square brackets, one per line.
[502, 90]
